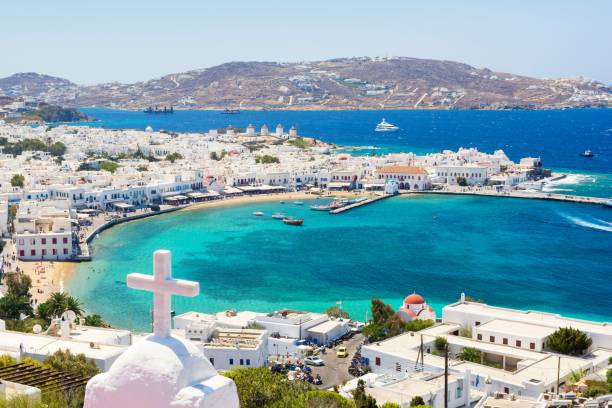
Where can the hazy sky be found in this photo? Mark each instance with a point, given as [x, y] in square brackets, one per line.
[130, 40]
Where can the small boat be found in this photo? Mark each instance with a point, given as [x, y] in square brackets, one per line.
[608, 203]
[320, 207]
[228, 111]
[258, 213]
[385, 126]
[587, 153]
[293, 221]
[279, 216]
[298, 202]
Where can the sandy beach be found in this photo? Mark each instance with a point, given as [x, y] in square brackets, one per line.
[47, 277]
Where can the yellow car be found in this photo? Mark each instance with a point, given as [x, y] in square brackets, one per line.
[341, 352]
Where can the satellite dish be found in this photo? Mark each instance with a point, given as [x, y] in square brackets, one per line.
[37, 329]
[69, 315]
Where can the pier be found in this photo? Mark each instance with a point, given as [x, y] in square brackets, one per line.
[359, 204]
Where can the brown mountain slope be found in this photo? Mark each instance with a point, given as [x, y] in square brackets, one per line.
[345, 83]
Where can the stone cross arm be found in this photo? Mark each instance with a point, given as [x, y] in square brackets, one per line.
[168, 286]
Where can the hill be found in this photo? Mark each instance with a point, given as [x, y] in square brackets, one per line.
[344, 83]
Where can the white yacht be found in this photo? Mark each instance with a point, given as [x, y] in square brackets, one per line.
[384, 126]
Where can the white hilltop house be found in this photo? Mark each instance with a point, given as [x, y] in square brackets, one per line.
[161, 370]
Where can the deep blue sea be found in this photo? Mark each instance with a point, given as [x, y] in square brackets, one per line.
[518, 253]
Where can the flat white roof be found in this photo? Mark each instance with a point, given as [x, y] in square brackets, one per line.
[325, 327]
[514, 328]
[46, 345]
[531, 317]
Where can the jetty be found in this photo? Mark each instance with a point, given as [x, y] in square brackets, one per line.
[519, 194]
[359, 204]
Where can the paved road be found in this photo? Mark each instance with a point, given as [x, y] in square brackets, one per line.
[335, 370]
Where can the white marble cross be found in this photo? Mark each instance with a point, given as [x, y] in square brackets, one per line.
[163, 286]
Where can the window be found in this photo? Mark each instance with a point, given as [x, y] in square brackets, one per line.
[33, 252]
[505, 341]
[54, 240]
[241, 362]
[479, 336]
[65, 251]
[506, 390]
[21, 252]
[477, 323]
[65, 240]
[518, 343]
[20, 241]
[532, 346]
[398, 367]
[212, 361]
[44, 241]
[54, 251]
[44, 252]
[492, 339]
[377, 361]
[231, 361]
[248, 361]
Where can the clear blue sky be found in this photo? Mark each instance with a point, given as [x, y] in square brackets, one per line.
[130, 40]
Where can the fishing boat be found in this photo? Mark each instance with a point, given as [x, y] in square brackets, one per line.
[258, 213]
[587, 153]
[385, 126]
[324, 207]
[279, 216]
[298, 202]
[293, 221]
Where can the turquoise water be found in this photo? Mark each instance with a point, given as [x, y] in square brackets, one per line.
[525, 254]
[517, 253]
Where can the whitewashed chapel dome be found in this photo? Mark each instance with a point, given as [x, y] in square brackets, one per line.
[159, 373]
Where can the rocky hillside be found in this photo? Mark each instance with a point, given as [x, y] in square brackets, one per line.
[347, 83]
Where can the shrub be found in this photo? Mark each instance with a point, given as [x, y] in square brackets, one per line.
[470, 354]
[17, 180]
[336, 311]
[568, 340]
[417, 401]
[440, 343]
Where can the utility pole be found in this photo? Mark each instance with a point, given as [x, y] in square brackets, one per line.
[446, 375]
[558, 374]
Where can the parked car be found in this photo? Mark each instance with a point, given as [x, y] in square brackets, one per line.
[341, 352]
[314, 360]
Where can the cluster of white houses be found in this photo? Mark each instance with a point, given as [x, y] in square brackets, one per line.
[514, 359]
[515, 367]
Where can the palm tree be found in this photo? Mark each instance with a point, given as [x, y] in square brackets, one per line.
[75, 305]
[57, 304]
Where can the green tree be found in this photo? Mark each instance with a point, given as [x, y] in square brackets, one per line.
[94, 320]
[440, 344]
[17, 180]
[172, 157]
[363, 400]
[416, 401]
[259, 387]
[568, 340]
[461, 181]
[266, 159]
[76, 364]
[57, 304]
[381, 312]
[109, 166]
[6, 360]
[470, 354]
[18, 284]
[390, 405]
[57, 149]
[214, 156]
[418, 325]
[327, 399]
[336, 311]
[11, 306]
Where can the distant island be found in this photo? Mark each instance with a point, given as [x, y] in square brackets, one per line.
[54, 114]
[343, 83]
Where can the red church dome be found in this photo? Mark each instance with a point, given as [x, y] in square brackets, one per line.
[414, 299]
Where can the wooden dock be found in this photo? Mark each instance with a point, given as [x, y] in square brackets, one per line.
[359, 204]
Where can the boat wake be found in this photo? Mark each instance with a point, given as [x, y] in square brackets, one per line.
[593, 223]
[570, 179]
